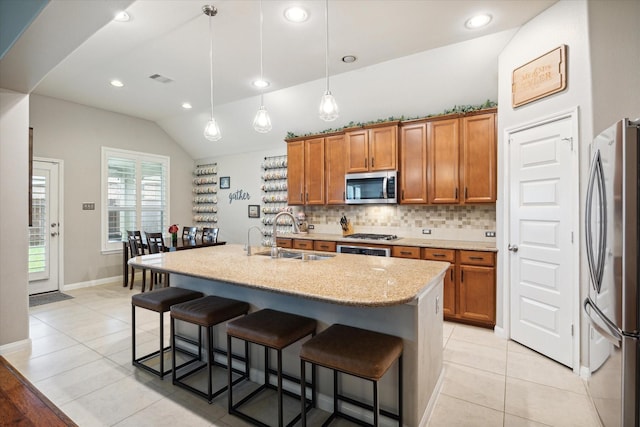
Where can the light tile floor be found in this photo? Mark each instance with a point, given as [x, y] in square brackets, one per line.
[81, 360]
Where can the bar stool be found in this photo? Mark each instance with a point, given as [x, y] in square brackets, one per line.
[159, 300]
[206, 312]
[272, 330]
[357, 352]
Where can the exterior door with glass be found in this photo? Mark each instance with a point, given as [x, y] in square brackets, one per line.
[45, 230]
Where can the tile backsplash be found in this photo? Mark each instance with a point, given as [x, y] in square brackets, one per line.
[445, 222]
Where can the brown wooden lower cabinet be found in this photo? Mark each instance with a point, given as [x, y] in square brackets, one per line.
[283, 242]
[469, 285]
[321, 245]
[302, 244]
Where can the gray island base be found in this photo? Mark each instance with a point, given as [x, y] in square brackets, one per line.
[401, 297]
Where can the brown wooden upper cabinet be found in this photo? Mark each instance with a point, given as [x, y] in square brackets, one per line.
[462, 160]
[412, 175]
[305, 174]
[372, 149]
[479, 157]
[335, 166]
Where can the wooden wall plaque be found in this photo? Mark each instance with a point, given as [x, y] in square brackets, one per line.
[541, 77]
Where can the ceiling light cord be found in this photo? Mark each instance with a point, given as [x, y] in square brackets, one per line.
[262, 121]
[211, 130]
[328, 110]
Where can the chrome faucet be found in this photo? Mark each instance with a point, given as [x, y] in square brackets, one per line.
[249, 240]
[274, 244]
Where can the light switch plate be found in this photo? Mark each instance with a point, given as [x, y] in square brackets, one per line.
[426, 231]
[88, 206]
[489, 234]
[311, 227]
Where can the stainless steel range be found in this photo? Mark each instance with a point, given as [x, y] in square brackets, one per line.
[372, 236]
[366, 250]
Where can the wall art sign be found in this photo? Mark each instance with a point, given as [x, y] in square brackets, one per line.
[254, 211]
[225, 182]
[541, 77]
[239, 195]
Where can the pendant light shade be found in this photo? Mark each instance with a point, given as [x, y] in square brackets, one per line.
[211, 131]
[328, 110]
[262, 122]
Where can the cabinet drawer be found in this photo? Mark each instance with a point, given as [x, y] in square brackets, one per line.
[405, 252]
[477, 258]
[432, 254]
[320, 245]
[302, 244]
[284, 242]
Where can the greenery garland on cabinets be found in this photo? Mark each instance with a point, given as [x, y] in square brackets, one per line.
[205, 195]
[460, 109]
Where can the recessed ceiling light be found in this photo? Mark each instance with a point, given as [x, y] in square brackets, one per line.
[116, 83]
[348, 59]
[296, 14]
[260, 84]
[478, 21]
[186, 106]
[122, 16]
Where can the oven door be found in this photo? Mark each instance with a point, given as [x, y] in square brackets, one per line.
[362, 250]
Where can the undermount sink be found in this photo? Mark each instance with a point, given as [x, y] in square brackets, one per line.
[305, 256]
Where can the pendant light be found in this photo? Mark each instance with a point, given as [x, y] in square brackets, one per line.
[211, 131]
[262, 122]
[328, 108]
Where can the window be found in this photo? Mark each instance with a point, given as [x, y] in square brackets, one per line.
[135, 194]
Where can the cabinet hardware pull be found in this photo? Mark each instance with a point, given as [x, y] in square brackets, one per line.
[439, 255]
[307, 197]
[456, 195]
[451, 274]
[343, 196]
[301, 197]
[465, 193]
[366, 164]
[462, 276]
[478, 258]
[405, 252]
[373, 162]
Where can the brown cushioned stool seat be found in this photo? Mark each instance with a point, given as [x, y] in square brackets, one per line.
[160, 301]
[206, 312]
[358, 352]
[273, 330]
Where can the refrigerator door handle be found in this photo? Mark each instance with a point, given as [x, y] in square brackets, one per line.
[611, 332]
[596, 261]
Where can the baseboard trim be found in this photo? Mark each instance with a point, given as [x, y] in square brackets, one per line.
[90, 283]
[15, 346]
[499, 331]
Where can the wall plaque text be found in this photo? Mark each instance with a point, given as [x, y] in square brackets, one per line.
[541, 77]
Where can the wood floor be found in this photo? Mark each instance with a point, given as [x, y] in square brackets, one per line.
[21, 404]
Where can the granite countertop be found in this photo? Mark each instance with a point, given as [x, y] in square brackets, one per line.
[402, 241]
[345, 279]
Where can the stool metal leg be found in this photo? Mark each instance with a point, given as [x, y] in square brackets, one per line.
[161, 344]
[133, 334]
[303, 394]
[208, 345]
[280, 415]
[229, 375]
[400, 402]
[172, 331]
[376, 409]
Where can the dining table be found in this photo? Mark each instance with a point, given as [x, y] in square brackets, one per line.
[181, 244]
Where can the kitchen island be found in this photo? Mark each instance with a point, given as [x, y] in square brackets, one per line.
[401, 297]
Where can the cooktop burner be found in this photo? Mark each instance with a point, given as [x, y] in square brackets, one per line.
[373, 236]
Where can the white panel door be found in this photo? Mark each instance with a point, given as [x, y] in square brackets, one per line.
[44, 233]
[541, 233]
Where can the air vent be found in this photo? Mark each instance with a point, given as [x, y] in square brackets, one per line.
[160, 78]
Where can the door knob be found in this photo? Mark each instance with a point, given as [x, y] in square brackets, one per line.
[513, 248]
[54, 234]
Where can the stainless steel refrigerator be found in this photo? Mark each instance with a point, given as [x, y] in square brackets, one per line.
[611, 237]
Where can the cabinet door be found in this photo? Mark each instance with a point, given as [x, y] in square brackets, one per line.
[443, 146]
[357, 150]
[478, 174]
[335, 160]
[477, 294]
[412, 252]
[449, 293]
[413, 163]
[314, 171]
[295, 172]
[321, 245]
[302, 244]
[383, 148]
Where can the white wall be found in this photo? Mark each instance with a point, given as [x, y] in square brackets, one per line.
[14, 176]
[614, 40]
[75, 134]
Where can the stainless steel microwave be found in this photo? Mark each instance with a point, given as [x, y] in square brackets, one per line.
[371, 188]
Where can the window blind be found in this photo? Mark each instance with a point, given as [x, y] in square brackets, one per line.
[135, 195]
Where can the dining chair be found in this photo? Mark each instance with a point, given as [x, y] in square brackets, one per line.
[155, 242]
[189, 233]
[209, 234]
[136, 248]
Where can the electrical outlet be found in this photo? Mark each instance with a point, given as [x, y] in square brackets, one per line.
[311, 227]
[426, 231]
[88, 206]
[489, 234]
